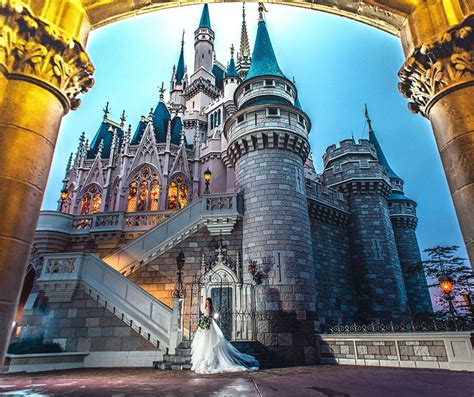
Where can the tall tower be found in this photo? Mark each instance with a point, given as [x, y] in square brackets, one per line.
[268, 144]
[204, 43]
[404, 221]
[353, 169]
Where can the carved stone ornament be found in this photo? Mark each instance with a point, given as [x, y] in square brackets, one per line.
[32, 48]
[435, 68]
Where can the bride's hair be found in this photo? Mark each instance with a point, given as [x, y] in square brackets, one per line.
[210, 306]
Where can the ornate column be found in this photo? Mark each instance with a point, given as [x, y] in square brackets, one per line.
[438, 79]
[43, 69]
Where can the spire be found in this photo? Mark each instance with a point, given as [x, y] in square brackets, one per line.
[205, 22]
[180, 68]
[123, 118]
[106, 110]
[69, 163]
[162, 92]
[264, 62]
[380, 155]
[231, 69]
[244, 38]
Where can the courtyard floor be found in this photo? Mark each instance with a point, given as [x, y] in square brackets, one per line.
[329, 381]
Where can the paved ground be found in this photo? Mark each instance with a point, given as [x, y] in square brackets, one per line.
[329, 381]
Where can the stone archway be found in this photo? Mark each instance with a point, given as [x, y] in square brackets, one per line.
[42, 54]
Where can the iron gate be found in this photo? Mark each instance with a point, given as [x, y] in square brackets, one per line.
[234, 304]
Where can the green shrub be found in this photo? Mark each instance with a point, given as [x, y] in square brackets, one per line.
[33, 345]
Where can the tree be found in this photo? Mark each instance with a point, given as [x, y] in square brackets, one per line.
[450, 276]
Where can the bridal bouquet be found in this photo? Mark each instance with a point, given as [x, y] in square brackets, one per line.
[204, 322]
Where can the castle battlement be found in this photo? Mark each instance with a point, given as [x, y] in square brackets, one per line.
[349, 147]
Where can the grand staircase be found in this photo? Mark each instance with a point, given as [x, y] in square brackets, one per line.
[181, 360]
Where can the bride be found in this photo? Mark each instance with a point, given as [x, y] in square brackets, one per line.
[211, 353]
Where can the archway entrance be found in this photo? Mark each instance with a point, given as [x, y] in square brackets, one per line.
[438, 79]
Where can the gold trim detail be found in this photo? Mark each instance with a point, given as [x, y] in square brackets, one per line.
[436, 68]
[31, 48]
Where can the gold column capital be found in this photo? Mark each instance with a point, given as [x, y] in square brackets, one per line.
[35, 50]
[438, 67]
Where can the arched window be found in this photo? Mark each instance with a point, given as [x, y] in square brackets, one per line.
[144, 191]
[91, 200]
[178, 193]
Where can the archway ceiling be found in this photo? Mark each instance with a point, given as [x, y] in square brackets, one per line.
[387, 15]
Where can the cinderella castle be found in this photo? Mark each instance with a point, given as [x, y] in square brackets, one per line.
[213, 193]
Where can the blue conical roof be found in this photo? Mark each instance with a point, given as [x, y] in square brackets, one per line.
[161, 118]
[205, 21]
[176, 127]
[105, 133]
[232, 70]
[382, 159]
[264, 62]
[180, 68]
[298, 104]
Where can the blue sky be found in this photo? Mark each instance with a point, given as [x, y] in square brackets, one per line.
[339, 65]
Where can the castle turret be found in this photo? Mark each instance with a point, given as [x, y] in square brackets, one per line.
[353, 169]
[178, 83]
[404, 221]
[203, 43]
[268, 144]
[231, 82]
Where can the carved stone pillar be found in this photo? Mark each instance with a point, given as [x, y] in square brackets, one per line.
[43, 69]
[438, 79]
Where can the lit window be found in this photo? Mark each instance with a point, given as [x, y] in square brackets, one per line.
[144, 191]
[178, 193]
[91, 200]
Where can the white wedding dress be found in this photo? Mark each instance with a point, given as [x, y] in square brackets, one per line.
[212, 353]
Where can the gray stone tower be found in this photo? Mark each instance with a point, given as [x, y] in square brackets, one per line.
[404, 221]
[204, 43]
[268, 143]
[354, 169]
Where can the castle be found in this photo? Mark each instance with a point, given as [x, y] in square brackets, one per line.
[220, 176]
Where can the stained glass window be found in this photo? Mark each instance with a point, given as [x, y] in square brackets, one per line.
[91, 200]
[144, 191]
[178, 193]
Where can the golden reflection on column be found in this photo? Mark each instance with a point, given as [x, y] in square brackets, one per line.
[29, 122]
[438, 78]
[42, 70]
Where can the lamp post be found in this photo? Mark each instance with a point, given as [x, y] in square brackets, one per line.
[178, 291]
[207, 180]
[64, 196]
[446, 285]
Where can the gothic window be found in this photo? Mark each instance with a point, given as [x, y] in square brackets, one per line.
[178, 193]
[212, 121]
[219, 117]
[377, 249]
[91, 200]
[144, 191]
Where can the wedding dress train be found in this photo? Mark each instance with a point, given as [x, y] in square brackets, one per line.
[212, 353]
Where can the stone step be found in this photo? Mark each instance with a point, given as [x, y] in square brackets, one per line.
[169, 366]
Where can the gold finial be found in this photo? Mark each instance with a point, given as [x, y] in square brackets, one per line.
[261, 10]
[106, 110]
[162, 91]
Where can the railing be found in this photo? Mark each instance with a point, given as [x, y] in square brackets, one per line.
[218, 212]
[137, 308]
[411, 326]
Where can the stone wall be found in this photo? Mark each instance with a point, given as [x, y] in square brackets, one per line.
[380, 287]
[415, 283]
[334, 278]
[159, 276]
[83, 325]
[444, 350]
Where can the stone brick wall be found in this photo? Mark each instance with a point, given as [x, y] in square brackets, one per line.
[276, 222]
[159, 276]
[380, 288]
[334, 278]
[415, 283]
[83, 325]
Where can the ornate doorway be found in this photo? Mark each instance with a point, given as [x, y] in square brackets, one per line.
[234, 301]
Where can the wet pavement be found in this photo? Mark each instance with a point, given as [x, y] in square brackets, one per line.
[328, 381]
